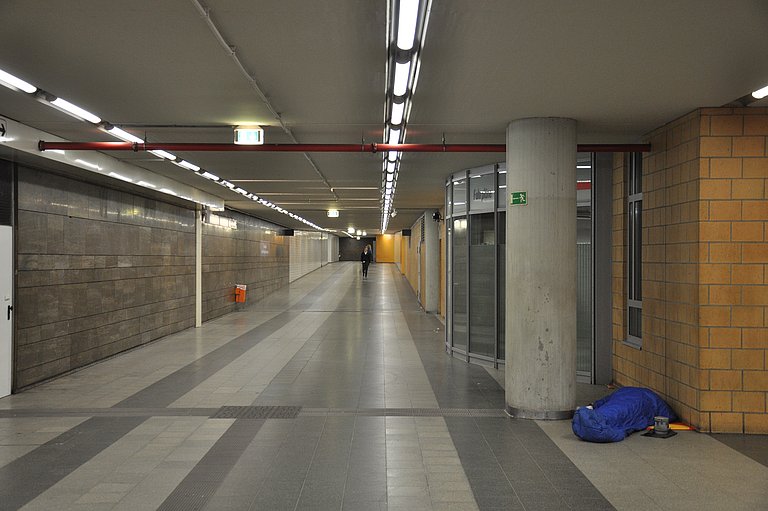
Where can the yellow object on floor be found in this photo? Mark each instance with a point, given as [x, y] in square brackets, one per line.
[677, 426]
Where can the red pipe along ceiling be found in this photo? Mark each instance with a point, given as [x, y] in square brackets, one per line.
[313, 148]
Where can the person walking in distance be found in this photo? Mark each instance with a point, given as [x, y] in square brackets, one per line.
[366, 257]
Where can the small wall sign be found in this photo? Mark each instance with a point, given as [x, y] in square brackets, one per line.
[518, 198]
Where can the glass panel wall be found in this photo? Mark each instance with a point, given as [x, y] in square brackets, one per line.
[476, 273]
[459, 196]
[501, 311]
[459, 285]
[584, 282]
[472, 231]
[482, 330]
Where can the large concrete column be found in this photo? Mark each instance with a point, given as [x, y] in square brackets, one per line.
[540, 328]
[432, 262]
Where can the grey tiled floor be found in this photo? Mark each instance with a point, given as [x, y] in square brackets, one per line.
[386, 421]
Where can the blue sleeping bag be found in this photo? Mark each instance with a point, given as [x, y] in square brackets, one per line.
[613, 417]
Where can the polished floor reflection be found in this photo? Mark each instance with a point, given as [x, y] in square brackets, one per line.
[334, 393]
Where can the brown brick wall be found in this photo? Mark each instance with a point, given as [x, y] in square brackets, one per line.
[668, 360]
[705, 251]
[734, 251]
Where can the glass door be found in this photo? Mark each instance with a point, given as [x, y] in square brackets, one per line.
[459, 287]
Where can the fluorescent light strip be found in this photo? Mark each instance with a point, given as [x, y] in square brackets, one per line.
[164, 154]
[187, 165]
[394, 137]
[402, 72]
[760, 93]
[15, 83]
[124, 135]
[397, 113]
[75, 110]
[407, 17]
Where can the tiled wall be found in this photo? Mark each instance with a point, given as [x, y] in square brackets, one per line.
[99, 271]
[253, 254]
[668, 361]
[734, 255]
[705, 221]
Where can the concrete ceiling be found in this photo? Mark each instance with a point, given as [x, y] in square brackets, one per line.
[619, 67]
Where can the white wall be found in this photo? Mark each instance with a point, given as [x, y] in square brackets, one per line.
[332, 245]
[309, 251]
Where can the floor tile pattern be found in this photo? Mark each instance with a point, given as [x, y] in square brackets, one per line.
[334, 393]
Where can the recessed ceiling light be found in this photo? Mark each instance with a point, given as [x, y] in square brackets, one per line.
[164, 154]
[402, 72]
[124, 135]
[75, 110]
[187, 165]
[15, 83]
[760, 93]
[397, 113]
[406, 23]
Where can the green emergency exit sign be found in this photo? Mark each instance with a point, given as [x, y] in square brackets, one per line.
[518, 198]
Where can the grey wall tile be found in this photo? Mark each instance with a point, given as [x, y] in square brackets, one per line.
[93, 265]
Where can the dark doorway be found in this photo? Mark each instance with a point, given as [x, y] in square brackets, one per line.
[351, 248]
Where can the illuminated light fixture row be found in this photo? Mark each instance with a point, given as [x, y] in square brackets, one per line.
[355, 233]
[760, 93]
[406, 31]
[12, 82]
